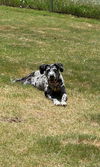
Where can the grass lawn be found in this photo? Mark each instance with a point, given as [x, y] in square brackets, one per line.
[34, 132]
[83, 8]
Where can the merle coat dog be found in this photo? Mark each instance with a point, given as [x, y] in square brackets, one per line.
[49, 79]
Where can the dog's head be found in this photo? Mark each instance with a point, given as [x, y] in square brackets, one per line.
[52, 71]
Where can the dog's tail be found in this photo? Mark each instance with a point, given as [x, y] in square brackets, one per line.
[25, 80]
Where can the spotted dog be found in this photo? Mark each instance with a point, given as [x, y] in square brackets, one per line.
[49, 79]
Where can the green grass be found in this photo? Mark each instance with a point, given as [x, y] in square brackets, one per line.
[34, 132]
[80, 8]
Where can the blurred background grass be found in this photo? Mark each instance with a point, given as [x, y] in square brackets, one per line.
[80, 8]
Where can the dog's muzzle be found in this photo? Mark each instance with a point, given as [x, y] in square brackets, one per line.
[52, 77]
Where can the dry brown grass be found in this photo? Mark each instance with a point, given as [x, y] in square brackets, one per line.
[28, 103]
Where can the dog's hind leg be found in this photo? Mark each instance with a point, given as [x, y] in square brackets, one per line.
[25, 80]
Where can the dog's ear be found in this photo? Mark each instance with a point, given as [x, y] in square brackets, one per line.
[60, 66]
[42, 68]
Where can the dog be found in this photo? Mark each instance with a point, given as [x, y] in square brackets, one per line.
[48, 79]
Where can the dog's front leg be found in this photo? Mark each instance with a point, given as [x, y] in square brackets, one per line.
[56, 102]
[64, 99]
[48, 94]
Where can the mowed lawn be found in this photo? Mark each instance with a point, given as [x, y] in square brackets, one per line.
[34, 132]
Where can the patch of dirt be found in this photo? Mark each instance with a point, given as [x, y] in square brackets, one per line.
[7, 27]
[10, 119]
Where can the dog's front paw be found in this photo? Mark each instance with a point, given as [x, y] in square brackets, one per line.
[63, 103]
[56, 102]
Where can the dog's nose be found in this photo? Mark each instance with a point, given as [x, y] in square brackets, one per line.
[51, 76]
